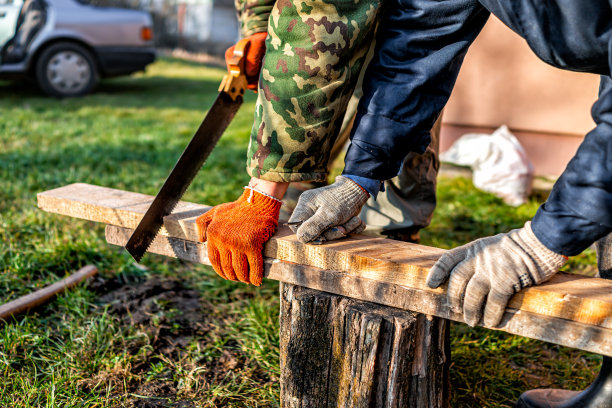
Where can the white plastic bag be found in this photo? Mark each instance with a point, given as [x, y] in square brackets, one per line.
[498, 161]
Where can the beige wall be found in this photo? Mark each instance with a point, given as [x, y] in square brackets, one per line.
[503, 82]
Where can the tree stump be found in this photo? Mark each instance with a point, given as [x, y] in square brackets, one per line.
[340, 352]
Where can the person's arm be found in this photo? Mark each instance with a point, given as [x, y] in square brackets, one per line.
[420, 45]
[314, 55]
[579, 208]
[309, 73]
[484, 274]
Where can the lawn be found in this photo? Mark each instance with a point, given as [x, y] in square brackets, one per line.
[169, 333]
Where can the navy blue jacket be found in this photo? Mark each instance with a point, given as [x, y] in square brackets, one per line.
[420, 47]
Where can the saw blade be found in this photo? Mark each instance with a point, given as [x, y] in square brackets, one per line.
[197, 151]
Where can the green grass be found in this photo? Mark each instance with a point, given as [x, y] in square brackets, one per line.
[79, 351]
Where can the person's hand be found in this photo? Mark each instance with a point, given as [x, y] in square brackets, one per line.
[254, 53]
[236, 233]
[486, 273]
[328, 213]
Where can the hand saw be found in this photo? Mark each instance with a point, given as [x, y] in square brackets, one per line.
[219, 116]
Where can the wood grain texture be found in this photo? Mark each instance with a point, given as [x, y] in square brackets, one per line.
[555, 330]
[576, 298]
[45, 294]
[341, 352]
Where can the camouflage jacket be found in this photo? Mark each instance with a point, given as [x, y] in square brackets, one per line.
[253, 15]
[315, 50]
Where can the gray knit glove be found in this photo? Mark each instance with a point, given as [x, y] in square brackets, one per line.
[487, 272]
[330, 212]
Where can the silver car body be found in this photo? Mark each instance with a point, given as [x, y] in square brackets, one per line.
[113, 35]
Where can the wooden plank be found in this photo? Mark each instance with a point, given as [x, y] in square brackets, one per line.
[555, 330]
[577, 298]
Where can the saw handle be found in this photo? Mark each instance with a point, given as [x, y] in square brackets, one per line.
[235, 82]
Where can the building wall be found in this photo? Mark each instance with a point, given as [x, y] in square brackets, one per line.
[503, 82]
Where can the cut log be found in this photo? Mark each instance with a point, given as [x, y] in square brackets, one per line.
[340, 352]
[570, 310]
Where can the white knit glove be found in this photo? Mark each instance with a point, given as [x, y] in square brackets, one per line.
[488, 271]
[330, 212]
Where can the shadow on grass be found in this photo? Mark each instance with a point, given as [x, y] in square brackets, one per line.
[19, 88]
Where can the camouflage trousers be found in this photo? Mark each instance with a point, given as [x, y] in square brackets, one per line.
[315, 51]
[409, 199]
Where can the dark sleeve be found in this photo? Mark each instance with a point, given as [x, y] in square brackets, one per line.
[567, 34]
[420, 45]
[576, 35]
[579, 209]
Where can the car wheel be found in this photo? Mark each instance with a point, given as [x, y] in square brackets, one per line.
[65, 70]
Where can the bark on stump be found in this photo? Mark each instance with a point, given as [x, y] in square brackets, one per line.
[340, 352]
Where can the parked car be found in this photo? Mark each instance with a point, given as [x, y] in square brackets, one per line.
[67, 45]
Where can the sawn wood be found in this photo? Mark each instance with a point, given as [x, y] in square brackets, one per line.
[569, 309]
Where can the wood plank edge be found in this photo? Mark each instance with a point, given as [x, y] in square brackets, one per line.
[341, 256]
[555, 330]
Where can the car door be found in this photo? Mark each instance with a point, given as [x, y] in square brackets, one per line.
[9, 13]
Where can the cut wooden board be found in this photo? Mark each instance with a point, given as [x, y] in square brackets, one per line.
[392, 264]
[527, 324]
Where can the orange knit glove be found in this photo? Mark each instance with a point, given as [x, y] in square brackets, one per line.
[236, 233]
[255, 51]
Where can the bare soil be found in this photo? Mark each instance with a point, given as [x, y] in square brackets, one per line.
[173, 317]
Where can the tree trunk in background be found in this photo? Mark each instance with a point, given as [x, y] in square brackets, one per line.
[340, 352]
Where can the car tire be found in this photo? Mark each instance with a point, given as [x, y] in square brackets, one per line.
[66, 70]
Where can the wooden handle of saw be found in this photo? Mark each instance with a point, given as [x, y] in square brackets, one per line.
[235, 82]
[41, 296]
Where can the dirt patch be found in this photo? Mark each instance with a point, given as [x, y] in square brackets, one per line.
[167, 311]
[140, 303]
[161, 395]
[170, 330]
[172, 316]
